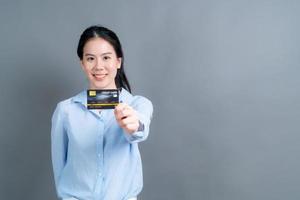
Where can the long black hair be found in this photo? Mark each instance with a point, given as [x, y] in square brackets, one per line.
[108, 35]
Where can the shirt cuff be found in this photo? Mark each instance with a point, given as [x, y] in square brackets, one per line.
[141, 126]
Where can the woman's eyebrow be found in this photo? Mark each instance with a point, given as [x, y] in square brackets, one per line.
[90, 54]
[106, 53]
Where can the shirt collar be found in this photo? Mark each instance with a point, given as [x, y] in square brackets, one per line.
[80, 98]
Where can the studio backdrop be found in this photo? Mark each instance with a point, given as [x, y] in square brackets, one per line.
[223, 77]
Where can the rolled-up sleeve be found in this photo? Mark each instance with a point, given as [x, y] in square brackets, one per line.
[144, 109]
[59, 143]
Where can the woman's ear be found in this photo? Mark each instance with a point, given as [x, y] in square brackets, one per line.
[119, 63]
[81, 64]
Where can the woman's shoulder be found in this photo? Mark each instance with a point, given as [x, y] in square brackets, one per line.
[135, 100]
[65, 104]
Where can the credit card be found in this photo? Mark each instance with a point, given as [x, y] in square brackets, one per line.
[102, 99]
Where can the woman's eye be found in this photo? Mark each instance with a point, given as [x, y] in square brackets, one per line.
[106, 58]
[90, 59]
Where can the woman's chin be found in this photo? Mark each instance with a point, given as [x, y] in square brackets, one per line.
[98, 86]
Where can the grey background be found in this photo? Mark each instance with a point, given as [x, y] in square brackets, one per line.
[223, 77]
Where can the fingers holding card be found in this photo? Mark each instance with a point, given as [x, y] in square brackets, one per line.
[127, 117]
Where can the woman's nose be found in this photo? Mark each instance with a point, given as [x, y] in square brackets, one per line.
[99, 64]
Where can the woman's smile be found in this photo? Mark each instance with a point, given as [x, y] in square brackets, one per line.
[99, 77]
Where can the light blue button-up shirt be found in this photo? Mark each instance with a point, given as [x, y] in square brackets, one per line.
[93, 157]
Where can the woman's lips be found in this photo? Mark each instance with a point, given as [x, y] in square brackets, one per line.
[99, 77]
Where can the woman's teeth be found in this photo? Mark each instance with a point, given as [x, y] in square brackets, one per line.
[99, 76]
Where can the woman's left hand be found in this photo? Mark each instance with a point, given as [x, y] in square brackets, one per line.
[126, 117]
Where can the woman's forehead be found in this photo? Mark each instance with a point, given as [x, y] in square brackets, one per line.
[98, 46]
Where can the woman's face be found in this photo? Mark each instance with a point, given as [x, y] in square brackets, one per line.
[100, 63]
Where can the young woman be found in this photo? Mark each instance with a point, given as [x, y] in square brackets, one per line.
[95, 153]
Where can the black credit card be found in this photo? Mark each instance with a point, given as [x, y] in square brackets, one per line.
[102, 99]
